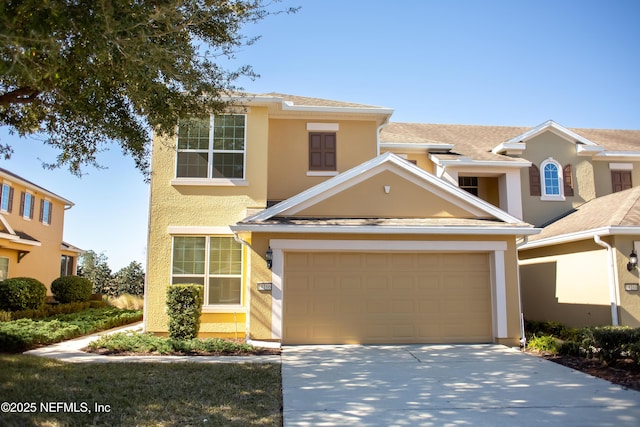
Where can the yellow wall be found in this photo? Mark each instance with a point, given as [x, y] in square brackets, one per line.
[629, 311]
[566, 283]
[369, 200]
[547, 145]
[192, 205]
[289, 153]
[42, 262]
[421, 159]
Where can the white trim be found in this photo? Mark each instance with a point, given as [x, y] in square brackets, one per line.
[582, 235]
[376, 229]
[467, 161]
[6, 225]
[223, 308]
[416, 146]
[621, 166]
[195, 229]
[554, 127]
[500, 286]
[618, 155]
[322, 173]
[211, 182]
[323, 127]
[387, 245]
[543, 181]
[495, 248]
[510, 148]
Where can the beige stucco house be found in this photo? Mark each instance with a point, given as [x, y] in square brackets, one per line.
[31, 229]
[317, 221]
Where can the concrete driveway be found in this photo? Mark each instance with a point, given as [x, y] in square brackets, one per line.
[436, 385]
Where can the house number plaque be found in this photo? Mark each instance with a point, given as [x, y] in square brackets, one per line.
[631, 286]
[265, 286]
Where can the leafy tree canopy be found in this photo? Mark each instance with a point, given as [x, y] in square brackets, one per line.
[87, 73]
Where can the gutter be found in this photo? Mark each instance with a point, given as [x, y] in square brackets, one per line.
[378, 130]
[523, 337]
[613, 294]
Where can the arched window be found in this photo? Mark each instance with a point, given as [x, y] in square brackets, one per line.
[551, 180]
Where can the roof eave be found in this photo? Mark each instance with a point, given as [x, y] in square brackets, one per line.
[377, 229]
[466, 161]
[582, 235]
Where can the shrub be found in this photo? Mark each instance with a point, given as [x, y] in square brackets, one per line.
[184, 304]
[71, 289]
[609, 343]
[545, 343]
[22, 293]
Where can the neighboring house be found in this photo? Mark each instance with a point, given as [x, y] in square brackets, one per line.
[31, 227]
[566, 275]
[305, 227]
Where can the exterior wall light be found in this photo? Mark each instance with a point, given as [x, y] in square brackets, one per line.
[269, 257]
[633, 260]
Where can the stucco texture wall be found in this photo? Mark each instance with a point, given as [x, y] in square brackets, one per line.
[210, 205]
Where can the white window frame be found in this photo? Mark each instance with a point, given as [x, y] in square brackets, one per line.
[46, 220]
[6, 188]
[207, 274]
[26, 213]
[543, 182]
[210, 180]
[4, 274]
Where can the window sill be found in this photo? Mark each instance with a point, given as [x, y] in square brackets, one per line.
[223, 309]
[552, 198]
[207, 182]
[322, 173]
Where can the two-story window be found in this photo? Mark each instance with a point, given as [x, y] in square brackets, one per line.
[6, 198]
[212, 261]
[45, 211]
[27, 205]
[212, 147]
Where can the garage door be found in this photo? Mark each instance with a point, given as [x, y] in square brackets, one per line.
[341, 298]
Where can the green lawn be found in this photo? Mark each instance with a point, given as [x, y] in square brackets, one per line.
[139, 394]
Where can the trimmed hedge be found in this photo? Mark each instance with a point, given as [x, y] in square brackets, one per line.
[71, 289]
[49, 310]
[184, 305]
[22, 293]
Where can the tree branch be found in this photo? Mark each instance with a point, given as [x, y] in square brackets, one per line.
[22, 95]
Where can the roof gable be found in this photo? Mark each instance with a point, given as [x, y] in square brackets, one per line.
[419, 189]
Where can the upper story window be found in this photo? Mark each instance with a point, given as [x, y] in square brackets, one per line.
[212, 261]
[45, 211]
[27, 204]
[469, 184]
[322, 151]
[551, 179]
[6, 198]
[212, 147]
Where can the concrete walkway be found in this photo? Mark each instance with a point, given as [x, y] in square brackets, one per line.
[70, 351]
[422, 385]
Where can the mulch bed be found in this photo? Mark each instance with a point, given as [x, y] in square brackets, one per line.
[624, 372]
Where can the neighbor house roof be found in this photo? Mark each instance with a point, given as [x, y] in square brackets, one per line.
[478, 141]
[17, 178]
[616, 213]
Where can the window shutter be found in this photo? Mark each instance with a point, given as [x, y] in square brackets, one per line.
[322, 151]
[32, 207]
[10, 208]
[41, 210]
[22, 196]
[50, 213]
[329, 148]
[567, 177]
[315, 151]
[535, 188]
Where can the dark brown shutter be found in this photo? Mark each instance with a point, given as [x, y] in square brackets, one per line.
[22, 196]
[41, 210]
[567, 177]
[10, 208]
[534, 181]
[33, 205]
[322, 151]
[50, 213]
[620, 180]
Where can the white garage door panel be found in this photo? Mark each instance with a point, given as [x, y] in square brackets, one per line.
[386, 298]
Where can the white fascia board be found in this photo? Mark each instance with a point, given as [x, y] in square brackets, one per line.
[510, 147]
[290, 106]
[588, 150]
[27, 242]
[376, 229]
[416, 146]
[6, 224]
[466, 161]
[617, 155]
[581, 235]
[555, 128]
[6, 236]
[386, 245]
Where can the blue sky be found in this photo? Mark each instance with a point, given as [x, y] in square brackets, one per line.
[488, 62]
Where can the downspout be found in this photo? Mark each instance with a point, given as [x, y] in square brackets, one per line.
[378, 130]
[247, 317]
[523, 337]
[613, 294]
